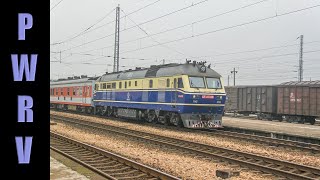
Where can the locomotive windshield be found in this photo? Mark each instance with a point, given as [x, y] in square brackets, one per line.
[213, 83]
[196, 82]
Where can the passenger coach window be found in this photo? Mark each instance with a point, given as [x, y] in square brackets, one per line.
[61, 91]
[150, 83]
[68, 93]
[213, 83]
[168, 82]
[196, 82]
[180, 83]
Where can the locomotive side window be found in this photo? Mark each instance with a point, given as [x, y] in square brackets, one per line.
[175, 83]
[129, 83]
[113, 85]
[196, 82]
[168, 82]
[96, 87]
[104, 85]
[180, 83]
[136, 83]
[120, 85]
[150, 83]
[88, 91]
[108, 86]
[125, 84]
[81, 90]
[213, 83]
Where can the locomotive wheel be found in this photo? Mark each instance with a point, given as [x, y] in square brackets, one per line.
[176, 120]
[152, 117]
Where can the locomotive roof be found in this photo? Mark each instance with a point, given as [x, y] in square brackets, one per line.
[160, 71]
[71, 81]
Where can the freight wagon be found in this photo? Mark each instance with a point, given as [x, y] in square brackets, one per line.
[290, 101]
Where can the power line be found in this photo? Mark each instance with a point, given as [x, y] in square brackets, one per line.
[84, 31]
[144, 31]
[87, 30]
[56, 5]
[138, 24]
[226, 28]
[179, 27]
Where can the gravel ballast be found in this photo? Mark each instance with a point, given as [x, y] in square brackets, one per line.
[225, 142]
[177, 164]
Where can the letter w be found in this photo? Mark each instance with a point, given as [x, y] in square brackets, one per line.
[24, 152]
[24, 67]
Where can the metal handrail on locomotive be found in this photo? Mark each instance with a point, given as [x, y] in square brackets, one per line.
[190, 95]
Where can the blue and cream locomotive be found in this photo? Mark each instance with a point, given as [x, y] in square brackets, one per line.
[190, 95]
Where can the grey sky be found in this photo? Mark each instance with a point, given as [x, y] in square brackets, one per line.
[218, 46]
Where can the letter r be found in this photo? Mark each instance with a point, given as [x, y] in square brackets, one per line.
[25, 103]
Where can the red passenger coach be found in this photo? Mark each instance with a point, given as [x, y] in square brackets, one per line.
[72, 94]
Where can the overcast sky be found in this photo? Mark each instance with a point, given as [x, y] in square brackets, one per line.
[256, 37]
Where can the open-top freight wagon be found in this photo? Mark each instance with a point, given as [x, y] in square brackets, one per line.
[290, 101]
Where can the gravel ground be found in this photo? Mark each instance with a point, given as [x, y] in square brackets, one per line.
[179, 165]
[274, 152]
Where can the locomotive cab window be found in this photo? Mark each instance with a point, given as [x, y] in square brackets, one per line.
[196, 82]
[213, 83]
[180, 83]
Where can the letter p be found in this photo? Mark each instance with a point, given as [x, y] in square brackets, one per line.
[25, 22]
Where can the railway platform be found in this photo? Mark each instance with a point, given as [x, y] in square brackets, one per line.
[284, 128]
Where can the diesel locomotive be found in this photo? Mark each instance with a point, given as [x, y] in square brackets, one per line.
[191, 95]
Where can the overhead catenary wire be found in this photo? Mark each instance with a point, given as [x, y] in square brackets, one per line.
[226, 28]
[56, 5]
[103, 37]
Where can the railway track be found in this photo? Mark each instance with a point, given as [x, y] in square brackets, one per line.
[269, 141]
[106, 164]
[256, 162]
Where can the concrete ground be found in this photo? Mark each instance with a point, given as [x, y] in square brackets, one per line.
[273, 126]
[59, 171]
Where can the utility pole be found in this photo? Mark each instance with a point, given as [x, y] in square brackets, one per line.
[163, 61]
[60, 57]
[300, 75]
[234, 76]
[116, 42]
